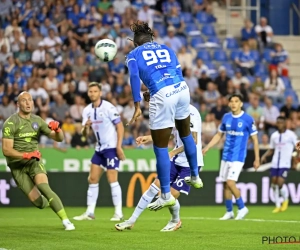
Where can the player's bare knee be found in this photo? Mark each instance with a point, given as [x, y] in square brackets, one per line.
[112, 175]
[175, 193]
[93, 179]
[157, 183]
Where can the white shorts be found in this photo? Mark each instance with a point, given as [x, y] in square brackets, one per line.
[230, 170]
[169, 103]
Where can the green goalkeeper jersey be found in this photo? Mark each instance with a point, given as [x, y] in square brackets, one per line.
[25, 133]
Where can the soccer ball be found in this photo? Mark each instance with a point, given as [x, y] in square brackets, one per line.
[106, 50]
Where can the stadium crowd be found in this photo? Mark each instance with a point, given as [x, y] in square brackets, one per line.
[47, 48]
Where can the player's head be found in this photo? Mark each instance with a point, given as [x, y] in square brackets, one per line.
[235, 103]
[94, 91]
[142, 33]
[25, 103]
[281, 123]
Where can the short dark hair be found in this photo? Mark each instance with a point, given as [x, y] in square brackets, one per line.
[95, 84]
[142, 32]
[283, 118]
[236, 95]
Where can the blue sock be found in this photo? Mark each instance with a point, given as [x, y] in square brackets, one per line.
[240, 203]
[163, 168]
[228, 204]
[191, 153]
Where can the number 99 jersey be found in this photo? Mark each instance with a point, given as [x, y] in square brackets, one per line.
[157, 66]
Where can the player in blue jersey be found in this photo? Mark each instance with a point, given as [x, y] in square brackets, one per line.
[158, 68]
[238, 127]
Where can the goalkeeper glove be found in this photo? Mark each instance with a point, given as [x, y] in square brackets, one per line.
[32, 155]
[54, 125]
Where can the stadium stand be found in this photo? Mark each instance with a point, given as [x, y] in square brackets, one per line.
[46, 47]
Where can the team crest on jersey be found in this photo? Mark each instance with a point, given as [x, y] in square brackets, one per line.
[35, 126]
[240, 124]
[100, 114]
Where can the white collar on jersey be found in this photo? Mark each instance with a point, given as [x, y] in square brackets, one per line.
[239, 115]
[98, 106]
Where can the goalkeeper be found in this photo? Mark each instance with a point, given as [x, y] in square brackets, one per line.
[20, 147]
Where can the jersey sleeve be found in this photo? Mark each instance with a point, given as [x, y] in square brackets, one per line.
[8, 130]
[194, 123]
[295, 139]
[84, 117]
[272, 142]
[252, 127]
[134, 77]
[114, 115]
[222, 127]
[44, 127]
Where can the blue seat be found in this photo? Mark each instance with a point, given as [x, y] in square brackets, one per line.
[251, 79]
[255, 55]
[202, 17]
[231, 43]
[214, 39]
[197, 42]
[192, 29]
[204, 55]
[267, 55]
[161, 29]
[234, 54]
[229, 68]
[183, 40]
[220, 56]
[260, 69]
[211, 65]
[208, 30]
[187, 17]
[287, 82]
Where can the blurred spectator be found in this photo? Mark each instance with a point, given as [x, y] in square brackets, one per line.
[23, 55]
[125, 96]
[249, 34]
[145, 110]
[203, 111]
[76, 109]
[51, 40]
[68, 128]
[78, 141]
[245, 61]
[258, 86]
[203, 81]
[38, 55]
[265, 144]
[192, 82]
[218, 111]
[209, 128]
[171, 40]
[293, 123]
[103, 6]
[4, 54]
[13, 94]
[157, 38]
[46, 27]
[51, 83]
[4, 41]
[37, 92]
[47, 65]
[14, 25]
[128, 111]
[145, 14]
[128, 140]
[79, 68]
[64, 87]
[120, 6]
[223, 81]
[270, 114]
[280, 60]
[274, 87]
[98, 31]
[117, 68]
[211, 95]
[186, 58]
[34, 40]
[6, 108]
[264, 32]
[174, 19]
[16, 40]
[199, 68]
[111, 18]
[59, 110]
[254, 109]
[238, 80]
[288, 108]
[70, 95]
[19, 79]
[168, 5]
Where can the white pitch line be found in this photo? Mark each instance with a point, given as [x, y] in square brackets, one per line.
[254, 220]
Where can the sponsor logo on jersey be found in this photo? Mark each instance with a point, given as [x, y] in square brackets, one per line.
[235, 133]
[240, 124]
[176, 91]
[29, 134]
[6, 131]
[35, 126]
[191, 125]
[10, 123]
[165, 77]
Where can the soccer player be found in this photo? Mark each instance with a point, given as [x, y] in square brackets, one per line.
[108, 128]
[238, 127]
[158, 68]
[179, 170]
[21, 132]
[282, 144]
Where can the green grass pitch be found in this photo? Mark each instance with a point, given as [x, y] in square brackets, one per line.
[34, 229]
